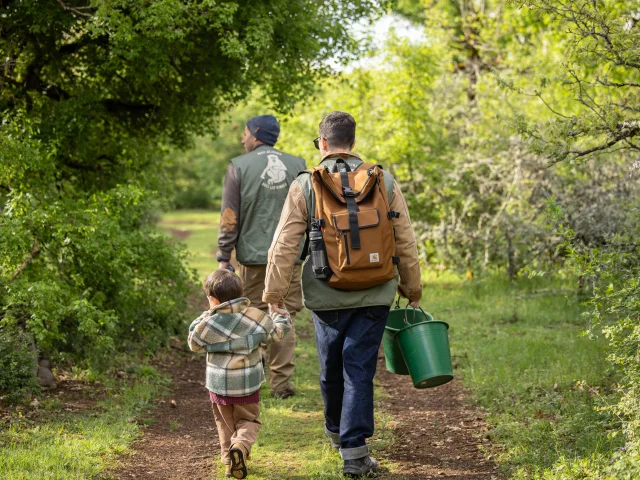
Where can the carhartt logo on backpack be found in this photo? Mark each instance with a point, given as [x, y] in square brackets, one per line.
[374, 258]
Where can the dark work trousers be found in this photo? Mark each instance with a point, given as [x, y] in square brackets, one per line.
[348, 341]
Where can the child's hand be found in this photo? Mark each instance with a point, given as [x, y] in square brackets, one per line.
[274, 308]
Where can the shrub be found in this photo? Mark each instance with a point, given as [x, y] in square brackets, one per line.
[614, 311]
[17, 365]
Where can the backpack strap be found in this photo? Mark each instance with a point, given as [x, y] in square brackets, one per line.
[350, 199]
[311, 208]
[352, 208]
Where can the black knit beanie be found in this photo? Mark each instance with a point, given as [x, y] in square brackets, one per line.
[265, 128]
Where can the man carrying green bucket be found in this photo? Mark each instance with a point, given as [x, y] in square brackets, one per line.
[360, 240]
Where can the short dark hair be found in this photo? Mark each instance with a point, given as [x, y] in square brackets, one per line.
[223, 285]
[339, 128]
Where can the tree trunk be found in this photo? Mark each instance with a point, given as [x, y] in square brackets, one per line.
[511, 261]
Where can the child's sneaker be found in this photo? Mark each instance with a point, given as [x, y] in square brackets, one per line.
[239, 455]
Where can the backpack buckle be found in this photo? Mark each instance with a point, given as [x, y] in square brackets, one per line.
[393, 214]
[348, 192]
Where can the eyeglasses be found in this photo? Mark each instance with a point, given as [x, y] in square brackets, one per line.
[316, 143]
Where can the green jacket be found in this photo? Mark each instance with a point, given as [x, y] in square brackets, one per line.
[255, 188]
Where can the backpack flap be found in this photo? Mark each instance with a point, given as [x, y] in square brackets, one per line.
[352, 188]
[366, 219]
[361, 182]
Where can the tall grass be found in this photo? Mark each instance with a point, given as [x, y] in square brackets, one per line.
[521, 350]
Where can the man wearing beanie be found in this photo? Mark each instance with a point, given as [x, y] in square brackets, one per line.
[255, 188]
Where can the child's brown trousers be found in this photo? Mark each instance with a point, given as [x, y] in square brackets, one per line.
[236, 424]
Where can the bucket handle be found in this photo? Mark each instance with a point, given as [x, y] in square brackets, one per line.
[406, 309]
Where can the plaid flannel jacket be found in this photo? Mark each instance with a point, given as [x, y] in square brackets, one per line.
[231, 333]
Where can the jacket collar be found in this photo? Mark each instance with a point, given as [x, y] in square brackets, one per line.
[344, 154]
[232, 306]
[262, 146]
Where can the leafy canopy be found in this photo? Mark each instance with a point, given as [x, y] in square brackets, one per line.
[93, 95]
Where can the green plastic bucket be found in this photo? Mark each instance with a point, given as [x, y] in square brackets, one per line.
[425, 348]
[397, 320]
[416, 344]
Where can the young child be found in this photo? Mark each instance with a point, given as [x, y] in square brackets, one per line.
[232, 334]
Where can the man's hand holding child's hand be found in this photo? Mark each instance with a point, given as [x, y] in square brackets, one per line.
[275, 308]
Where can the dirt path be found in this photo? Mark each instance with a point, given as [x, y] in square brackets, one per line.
[182, 442]
[437, 433]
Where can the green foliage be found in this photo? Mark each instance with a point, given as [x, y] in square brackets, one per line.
[17, 365]
[600, 78]
[442, 119]
[93, 98]
[614, 272]
[437, 115]
[198, 172]
[99, 273]
[594, 118]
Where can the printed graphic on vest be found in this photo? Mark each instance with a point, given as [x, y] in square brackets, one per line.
[275, 173]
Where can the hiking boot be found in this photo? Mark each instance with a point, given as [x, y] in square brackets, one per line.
[239, 456]
[360, 467]
[334, 439]
[282, 394]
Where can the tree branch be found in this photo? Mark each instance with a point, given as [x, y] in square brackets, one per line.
[617, 85]
[77, 10]
[626, 130]
[35, 251]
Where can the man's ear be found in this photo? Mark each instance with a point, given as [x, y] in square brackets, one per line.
[325, 144]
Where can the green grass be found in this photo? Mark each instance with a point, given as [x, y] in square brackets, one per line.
[522, 354]
[202, 242]
[58, 444]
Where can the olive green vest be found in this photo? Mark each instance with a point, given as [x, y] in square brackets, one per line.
[320, 296]
[265, 175]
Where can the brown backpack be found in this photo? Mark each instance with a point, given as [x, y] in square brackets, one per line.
[353, 213]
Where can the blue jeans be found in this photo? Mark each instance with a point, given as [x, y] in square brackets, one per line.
[348, 341]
